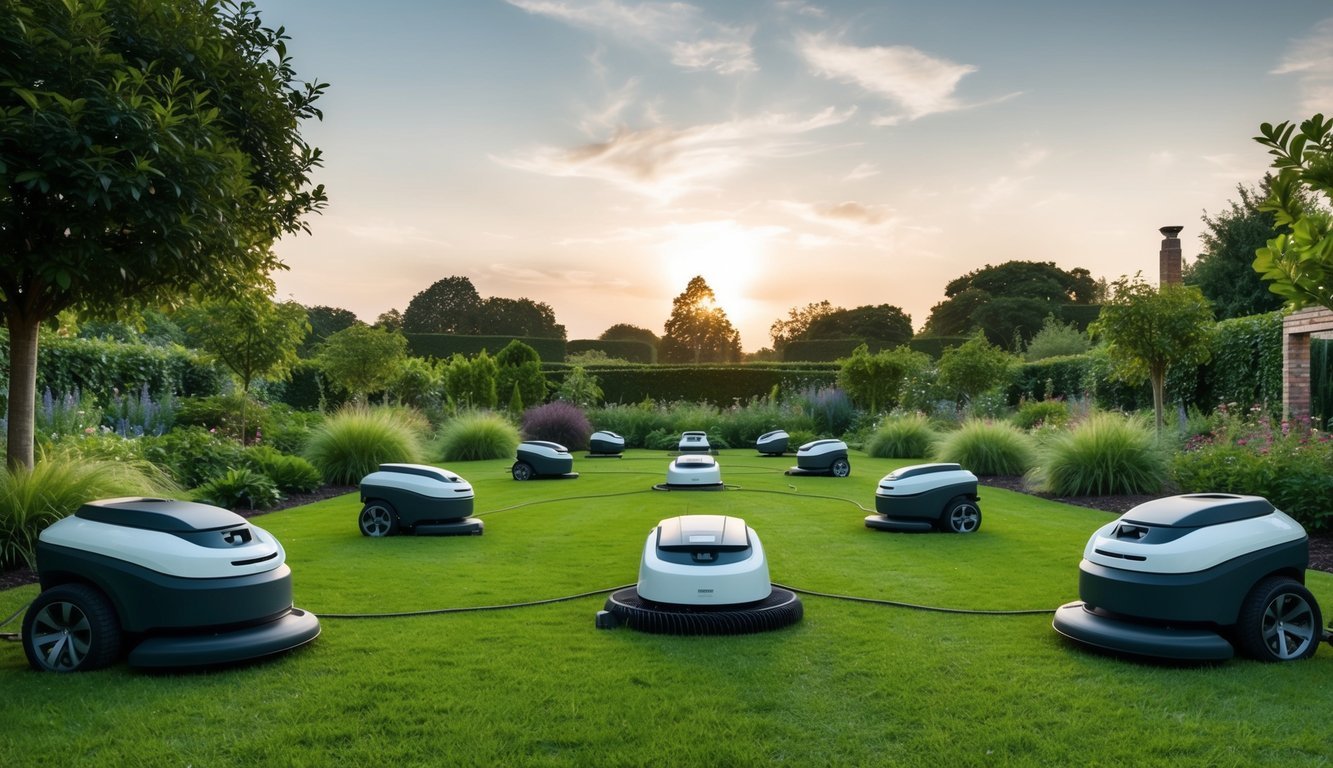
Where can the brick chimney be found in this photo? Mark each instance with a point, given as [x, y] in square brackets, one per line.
[1169, 258]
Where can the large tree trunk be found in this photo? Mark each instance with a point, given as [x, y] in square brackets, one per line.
[22, 390]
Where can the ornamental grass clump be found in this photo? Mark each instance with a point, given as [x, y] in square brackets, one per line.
[353, 443]
[56, 486]
[906, 436]
[558, 422]
[987, 448]
[1105, 454]
[476, 435]
[291, 474]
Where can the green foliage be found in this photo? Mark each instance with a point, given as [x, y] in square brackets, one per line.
[1149, 330]
[1321, 382]
[362, 359]
[698, 330]
[101, 368]
[70, 413]
[415, 383]
[291, 474]
[1067, 377]
[1245, 363]
[474, 436]
[718, 385]
[1103, 455]
[627, 332]
[164, 138]
[439, 346]
[1009, 299]
[233, 417]
[131, 416]
[902, 436]
[515, 402]
[621, 349]
[1224, 271]
[876, 381]
[580, 388]
[973, 368]
[1041, 413]
[56, 486]
[518, 366]
[193, 455]
[353, 443]
[741, 424]
[1288, 463]
[450, 305]
[987, 448]
[884, 324]
[1299, 263]
[324, 321]
[1056, 339]
[239, 489]
[634, 422]
[829, 409]
[250, 335]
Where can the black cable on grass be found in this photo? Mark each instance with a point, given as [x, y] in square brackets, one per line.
[469, 609]
[916, 607]
[535, 502]
[853, 502]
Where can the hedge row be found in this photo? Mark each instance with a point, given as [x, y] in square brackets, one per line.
[442, 346]
[627, 349]
[719, 385]
[99, 368]
[829, 350]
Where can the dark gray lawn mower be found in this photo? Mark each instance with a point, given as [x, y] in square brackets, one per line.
[542, 459]
[1197, 578]
[174, 583]
[772, 443]
[822, 457]
[702, 575]
[605, 444]
[416, 498]
[923, 497]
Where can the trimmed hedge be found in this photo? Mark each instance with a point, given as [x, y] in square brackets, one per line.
[935, 345]
[442, 346]
[718, 385]
[829, 350]
[633, 351]
[99, 368]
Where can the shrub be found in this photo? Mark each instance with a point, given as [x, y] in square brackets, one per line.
[239, 489]
[193, 455]
[1056, 339]
[57, 485]
[907, 436]
[829, 409]
[231, 416]
[967, 371]
[632, 422]
[580, 388]
[683, 416]
[476, 435]
[291, 474]
[138, 416]
[354, 442]
[70, 413]
[743, 424]
[558, 422]
[1105, 454]
[1039, 413]
[987, 448]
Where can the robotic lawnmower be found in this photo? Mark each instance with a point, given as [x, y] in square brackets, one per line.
[692, 472]
[1196, 578]
[693, 442]
[415, 498]
[926, 496]
[542, 458]
[174, 583]
[822, 457]
[605, 445]
[772, 443]
[702, 575]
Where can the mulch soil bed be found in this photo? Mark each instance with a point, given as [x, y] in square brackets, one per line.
[1321, 544]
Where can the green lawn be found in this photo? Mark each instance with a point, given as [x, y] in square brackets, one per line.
[851, 684]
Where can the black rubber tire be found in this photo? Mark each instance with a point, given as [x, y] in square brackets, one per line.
[841, 468]
[1279, 621]
[521, 470]
[377, 518]
[71, 628]
[961, 515]
[780, 609]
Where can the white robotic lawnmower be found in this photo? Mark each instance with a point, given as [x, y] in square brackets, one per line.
[1197, 578]
[174, 583]
[692, 472]
[694, 442]
[416, 498]
[702, 575]
[927, 496]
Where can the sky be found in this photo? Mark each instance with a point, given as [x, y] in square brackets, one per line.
[597, 154]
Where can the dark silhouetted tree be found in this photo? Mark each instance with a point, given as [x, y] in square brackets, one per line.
[450, 305]
[324, 321]
[698, 330]
[1224, 271]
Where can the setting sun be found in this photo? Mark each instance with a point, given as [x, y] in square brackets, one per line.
[727, 256]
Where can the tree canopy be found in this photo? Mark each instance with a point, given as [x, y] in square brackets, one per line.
[698, 330]
[362, 359]
[148, 151]
[1149, 329]
[1299, 263]
[627, 332]
[1008, 300]
[452, 305]
[324, 321]
[1224, 271]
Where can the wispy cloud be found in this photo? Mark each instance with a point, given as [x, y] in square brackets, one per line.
[555, 278]
[917, 83]
[861, 171]
[1311, 58]
[664, 163]
[692, 40]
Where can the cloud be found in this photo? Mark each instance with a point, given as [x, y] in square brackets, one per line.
[556, 278]
[917, 83]
[692, 40]
[862, 171]
[1311, 58]
[664, 163]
